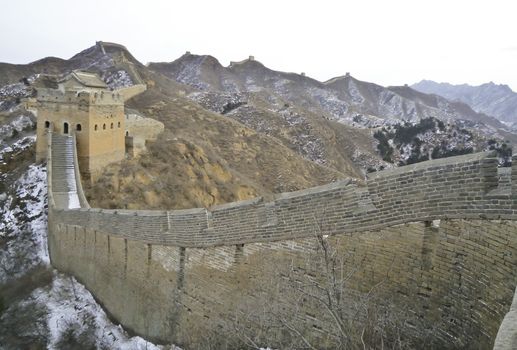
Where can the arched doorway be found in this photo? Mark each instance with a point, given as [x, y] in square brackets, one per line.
[65, 128]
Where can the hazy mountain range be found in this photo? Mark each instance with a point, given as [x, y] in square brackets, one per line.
[497, 100]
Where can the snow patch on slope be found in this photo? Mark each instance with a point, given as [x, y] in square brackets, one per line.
[17, 125]
[15, 90]
[24, 225]
[17, 134]
[71, 306]
[17, 146]
[190, 74]
[11, 94]
[118, 79]
[69, 310]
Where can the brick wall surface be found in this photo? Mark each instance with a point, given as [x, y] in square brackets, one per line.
[439, 236]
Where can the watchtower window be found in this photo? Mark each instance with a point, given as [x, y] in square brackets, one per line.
[118, 124]
[47, 124]
[65, 128]
[78, 127]
[127, 133]
[103, 126]
[96, 127]
[112, 125]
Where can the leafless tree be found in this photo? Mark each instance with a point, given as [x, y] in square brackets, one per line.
[314, 303]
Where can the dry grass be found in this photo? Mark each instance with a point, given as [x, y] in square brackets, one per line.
[202, 159]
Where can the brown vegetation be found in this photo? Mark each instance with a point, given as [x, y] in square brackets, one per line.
[202, 159]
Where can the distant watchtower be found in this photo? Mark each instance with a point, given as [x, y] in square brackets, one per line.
[82, 104]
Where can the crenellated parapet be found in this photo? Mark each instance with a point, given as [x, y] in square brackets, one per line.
[453, 188]
[80, 97]
[131, 91]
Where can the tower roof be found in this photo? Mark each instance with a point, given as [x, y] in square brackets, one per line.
[87, 79]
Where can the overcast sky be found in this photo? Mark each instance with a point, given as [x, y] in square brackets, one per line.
[389, 42]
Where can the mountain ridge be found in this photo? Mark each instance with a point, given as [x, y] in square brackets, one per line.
[177, 70]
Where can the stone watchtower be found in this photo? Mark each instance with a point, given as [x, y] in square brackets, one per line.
[82, 104]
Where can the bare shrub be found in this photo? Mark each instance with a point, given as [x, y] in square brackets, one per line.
[320, 300]
[78, 336]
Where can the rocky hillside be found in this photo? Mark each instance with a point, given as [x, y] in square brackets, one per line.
[335, 122]
[272, 105]
[202, 159]
[344, 99]
[208, 159]
[430, 138]
[497, 100]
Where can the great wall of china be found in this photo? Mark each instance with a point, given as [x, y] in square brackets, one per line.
[439, 235]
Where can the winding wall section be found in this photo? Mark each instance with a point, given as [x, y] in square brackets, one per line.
[446, 228]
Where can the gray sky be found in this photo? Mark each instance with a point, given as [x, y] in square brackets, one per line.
[389, 42]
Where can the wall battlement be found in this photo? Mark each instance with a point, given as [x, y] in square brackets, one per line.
[103, 44]
[456, 188]
[80, 97]
[131, 91]
[447, 228]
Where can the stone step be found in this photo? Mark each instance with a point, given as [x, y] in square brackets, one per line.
[63, 170]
